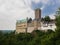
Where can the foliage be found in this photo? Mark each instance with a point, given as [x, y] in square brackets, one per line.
[58, 22]
[41, 38]
[57, 34]
[47, 19]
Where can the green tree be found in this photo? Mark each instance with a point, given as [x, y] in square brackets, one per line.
[57, 34]
[47, 19]
[58, 12]
[58, 19]
[58, 22]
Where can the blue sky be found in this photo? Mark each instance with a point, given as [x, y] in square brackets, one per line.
[50, 7]
[12, 10]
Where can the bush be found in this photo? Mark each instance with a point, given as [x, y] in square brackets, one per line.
[49, 31]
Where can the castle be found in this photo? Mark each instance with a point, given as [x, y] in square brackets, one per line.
[23, 26]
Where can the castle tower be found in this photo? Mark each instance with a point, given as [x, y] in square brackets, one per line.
[37, 14]
[37, 21]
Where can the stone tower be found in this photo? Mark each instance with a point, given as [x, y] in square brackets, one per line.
[37, 14]
[37, 21]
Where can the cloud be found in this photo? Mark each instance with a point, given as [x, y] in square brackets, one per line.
[52, 16]
[36, 1]
[12, 10]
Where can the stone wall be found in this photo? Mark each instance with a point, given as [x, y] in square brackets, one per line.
[30, 29]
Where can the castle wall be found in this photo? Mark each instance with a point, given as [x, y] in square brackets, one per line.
[23, 30]
[30, 29]
[21, 27]
[45, 27]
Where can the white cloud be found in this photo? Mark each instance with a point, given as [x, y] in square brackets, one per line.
[42, 8]
[52, 16]
[12, 10]
[45, 1]
[42, 1]
[36, 1]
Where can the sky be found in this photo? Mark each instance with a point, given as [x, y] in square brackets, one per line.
[12, 10]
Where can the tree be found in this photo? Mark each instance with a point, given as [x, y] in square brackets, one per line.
[58, 19]
[42, 19]
[57, 34]
[47, 19]
[58, 12]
